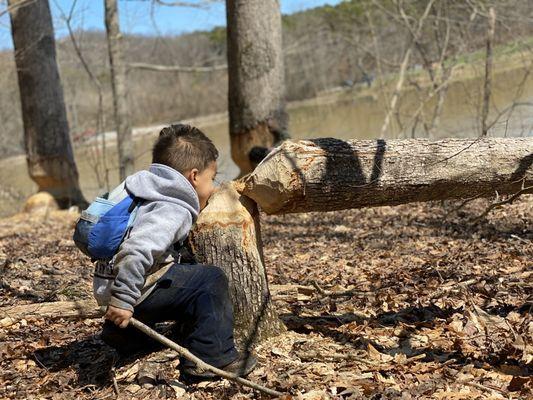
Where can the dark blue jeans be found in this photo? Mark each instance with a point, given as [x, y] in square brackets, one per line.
[196, 297]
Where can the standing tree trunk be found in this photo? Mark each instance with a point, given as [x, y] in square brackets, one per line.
[256, 78]
[49, 151]
[227, 234]
[118, 84]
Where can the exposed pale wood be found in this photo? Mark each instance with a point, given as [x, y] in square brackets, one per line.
[46, 133]
[227, 234]
[332, 174]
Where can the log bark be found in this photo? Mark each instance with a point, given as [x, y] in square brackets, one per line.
[256, 88]
[57, 309]
[89, 308]
[331, 174]
[125, 149]
[47, 141]
[227, 235]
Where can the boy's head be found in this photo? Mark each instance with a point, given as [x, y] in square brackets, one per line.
[189, 151]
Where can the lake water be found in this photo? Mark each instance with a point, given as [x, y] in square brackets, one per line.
[344, 114]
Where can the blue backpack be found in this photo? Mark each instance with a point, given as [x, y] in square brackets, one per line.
[103, 226]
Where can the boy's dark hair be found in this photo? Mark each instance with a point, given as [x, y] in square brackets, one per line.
[184, 147]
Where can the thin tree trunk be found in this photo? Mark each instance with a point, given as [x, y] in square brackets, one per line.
[227, 234]
[256, 78]
[118, 83]
[47, 141]
[487, 87]
[403, 67]
[331, 174]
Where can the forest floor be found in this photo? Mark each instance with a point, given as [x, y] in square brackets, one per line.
[408, 302]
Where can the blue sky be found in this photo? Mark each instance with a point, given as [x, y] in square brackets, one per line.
[141, 17]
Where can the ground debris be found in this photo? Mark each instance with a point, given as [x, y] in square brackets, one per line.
[400, 302]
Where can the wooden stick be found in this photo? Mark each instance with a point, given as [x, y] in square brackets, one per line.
[199, 363]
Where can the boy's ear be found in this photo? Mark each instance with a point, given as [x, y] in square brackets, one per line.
[193, 175]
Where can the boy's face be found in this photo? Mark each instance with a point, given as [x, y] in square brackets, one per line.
[203, 182]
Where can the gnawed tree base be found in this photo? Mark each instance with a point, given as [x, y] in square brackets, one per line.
[57, 176]
[332, 174]
[242, 143]
[227, 234]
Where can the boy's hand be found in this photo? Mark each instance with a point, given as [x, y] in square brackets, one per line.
[119, 316]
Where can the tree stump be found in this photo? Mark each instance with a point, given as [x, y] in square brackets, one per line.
[227, 234]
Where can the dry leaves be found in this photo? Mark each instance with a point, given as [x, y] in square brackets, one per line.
[405, 303]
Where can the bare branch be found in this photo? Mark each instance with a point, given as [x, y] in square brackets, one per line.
[176, 68]
[404, 65]
[203, 4]
[509, 200]
[13, 7]
[100, 123]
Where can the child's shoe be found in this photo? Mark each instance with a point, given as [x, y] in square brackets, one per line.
[241, 366]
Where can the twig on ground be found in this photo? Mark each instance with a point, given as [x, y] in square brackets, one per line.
[114, 377]
[460, 206]
[452, 286]
[490, 389]
[115, 384]
[319, 289]
[199, 363]
[503, 202]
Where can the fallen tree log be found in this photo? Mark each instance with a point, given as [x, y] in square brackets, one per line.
[88, 308]
[331, 174]
[57, 309]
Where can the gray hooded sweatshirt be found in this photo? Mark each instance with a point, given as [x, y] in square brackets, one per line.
[169, 207]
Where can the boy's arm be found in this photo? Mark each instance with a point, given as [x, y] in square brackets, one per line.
[156, 230]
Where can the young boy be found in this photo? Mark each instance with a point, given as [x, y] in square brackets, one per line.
[146, 279]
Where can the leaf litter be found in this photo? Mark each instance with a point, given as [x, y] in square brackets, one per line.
[406, 302]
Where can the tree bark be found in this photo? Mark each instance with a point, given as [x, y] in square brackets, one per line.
[57, 309]
[125, 149]
[47, 142]
[256, 78]
[227, 234]
[331, 174]
[89, 309]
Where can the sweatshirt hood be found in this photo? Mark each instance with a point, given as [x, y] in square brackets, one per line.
[162, 183]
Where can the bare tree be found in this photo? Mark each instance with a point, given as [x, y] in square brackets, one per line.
[118, 83]
[487, 87]
[96, 154]
[47, 142]
[256, 92]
